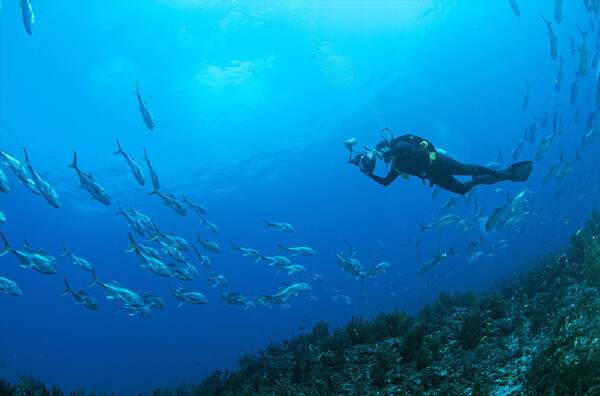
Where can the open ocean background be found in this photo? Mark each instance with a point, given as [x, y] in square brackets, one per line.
[252, 102]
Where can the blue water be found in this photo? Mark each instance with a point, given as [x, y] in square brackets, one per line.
[252, 102]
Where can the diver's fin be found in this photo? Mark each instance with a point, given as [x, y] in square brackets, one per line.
[518, 172]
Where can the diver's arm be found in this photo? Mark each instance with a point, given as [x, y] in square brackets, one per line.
[385, 181]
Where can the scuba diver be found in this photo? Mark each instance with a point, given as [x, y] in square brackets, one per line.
[413, 155]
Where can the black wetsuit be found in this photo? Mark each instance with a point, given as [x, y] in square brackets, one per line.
[413, 155]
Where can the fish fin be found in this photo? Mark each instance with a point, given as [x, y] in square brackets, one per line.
[74, 164]
[66, 252]
[95, 281]
[281, 247]
[423, 228]
[119, 151]
[154, 191]
[267, 224]
[68, 288]
[6, 245]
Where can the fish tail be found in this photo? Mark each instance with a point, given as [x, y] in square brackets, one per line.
[74, 164]
[145, 157]
[280, 247]
[233, 247]
[131, 246]
[95, 281]
[155, 191]
[6, 245]
[184, 200]
[66, 252]
[119, 151]
[451, 252]
[423, 228]
[68, 288]
[120, 210]
[267, 223]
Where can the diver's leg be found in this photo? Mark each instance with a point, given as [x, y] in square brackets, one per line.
[451, 183]
[453, 167]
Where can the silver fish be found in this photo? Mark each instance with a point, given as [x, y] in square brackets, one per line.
[545, 144]
[28, 18]
[526, 97]
[316, 276]
[132, 221]
[568, 168]
[284, 293]
[441, 223]
[81, 262]
[246, 251]
[20, 171]
[82, 298]
[170, 250]
[217, 279]
[39, 261]
[518, 149]
[146, 115]
[205, 261]
[515, 7]
[559, 75]
[435, 261]
[140, 311]
[533, 130]
[135, 168]
[552, 41]
[583, 54]
[558, 10]
[494, 221]
[153, 301]
[575, 88]
[591, 135]
[185, 296]
[88, 183]
[450, 204]
[378, 268]
[146, 250]
[552, 171]
[473, 244]
[279, 226]
[210, 226]
[544, 121]
[200, 209]
[42, 185]
[302, 251]
[180, 272]
[153, 175]
[436, 191]
[4, 187]
[116, 292]
[171, 202]
[208, 245]
[10, 287]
